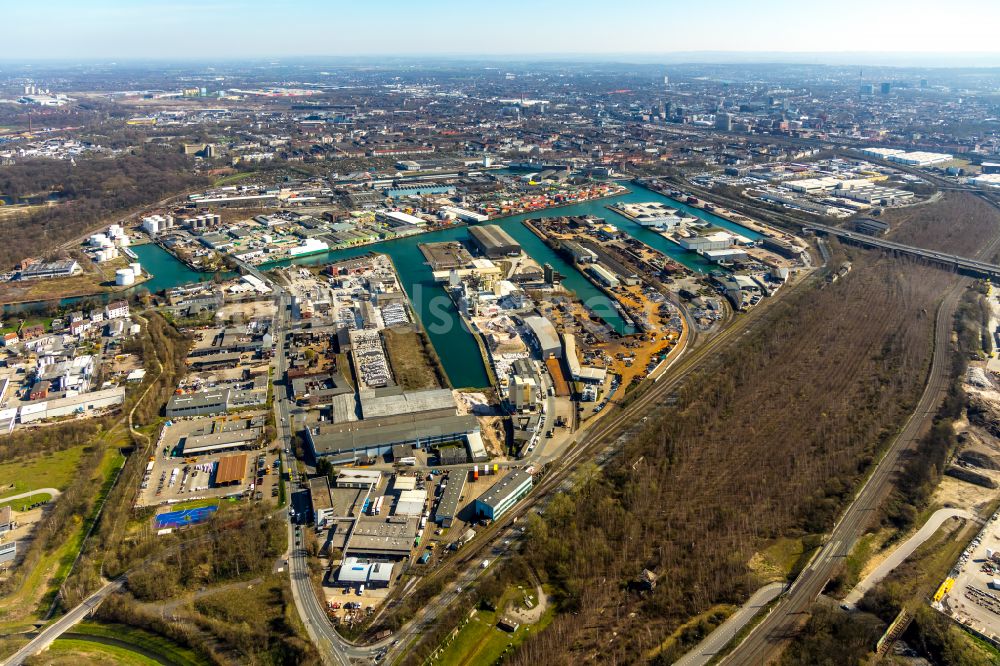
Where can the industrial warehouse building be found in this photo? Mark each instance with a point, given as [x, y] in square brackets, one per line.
[410, 503]
[448, 506]
[202, 403]
[358, 478]
[578, 372]
[780, 247]
[75, 404]
[494, 242]
[51, 269]
[232, 470]
[545, 335]
[389, 417]
[322, 500]
[603, 275]
[389, 538]
[220, 441]
[216, 401]
[871, 227]
[342, 443]
[718, 240]
[504, 494]
[355, 571]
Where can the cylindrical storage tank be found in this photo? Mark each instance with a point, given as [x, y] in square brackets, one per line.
[124, 277]
[124, 241]
[136, 269]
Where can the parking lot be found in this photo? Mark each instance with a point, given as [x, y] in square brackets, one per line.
[974, 598]
[174, 475]
[346, 605]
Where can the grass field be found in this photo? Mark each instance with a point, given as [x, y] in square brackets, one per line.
[54, 470]
[784, 558]
[19, 504]
[81, 651]
[193, 504]
[411, 365]
[143, 641]
[232, 178]
[33, 597]
[854, 564]
[479, 641]
[13, 324]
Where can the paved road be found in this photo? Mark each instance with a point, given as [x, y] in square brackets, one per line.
[430, 612]
[333, 649]
[767, 638]
[903, 551]
[64, 624]
[712, 644]
[336, 650]
[51, 491]
[318, 626]
[971, 266]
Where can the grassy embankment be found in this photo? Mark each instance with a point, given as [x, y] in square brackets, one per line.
[33, 595]
[98, 643]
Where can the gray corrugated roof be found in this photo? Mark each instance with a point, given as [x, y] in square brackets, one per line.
[366, 434]
[448, 504]
[493, 236]
[544, 332]
[377, 404]
[502, 488]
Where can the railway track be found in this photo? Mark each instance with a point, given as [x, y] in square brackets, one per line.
[765, 642]
[597, 443]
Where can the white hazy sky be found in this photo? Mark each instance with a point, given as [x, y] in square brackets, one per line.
[68, 29]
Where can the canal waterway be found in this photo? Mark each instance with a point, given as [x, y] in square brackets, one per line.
[454, 343]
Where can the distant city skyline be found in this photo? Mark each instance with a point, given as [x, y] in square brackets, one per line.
[917, 32]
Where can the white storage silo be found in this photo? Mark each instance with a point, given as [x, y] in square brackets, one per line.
[136, 269]
[124, 277]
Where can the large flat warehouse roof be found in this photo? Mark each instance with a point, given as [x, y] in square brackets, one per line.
[393, 536]
[216, 441]
[332, 439]
[492, 237]
[391, 402]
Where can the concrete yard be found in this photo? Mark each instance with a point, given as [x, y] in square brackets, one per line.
[974, 599]
[193, 475]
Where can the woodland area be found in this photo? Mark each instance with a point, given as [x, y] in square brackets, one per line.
[248, 625]
[766, 442]
[90, 191]
[959, 223]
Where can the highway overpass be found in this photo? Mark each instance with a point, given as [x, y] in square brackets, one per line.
[963, 265]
